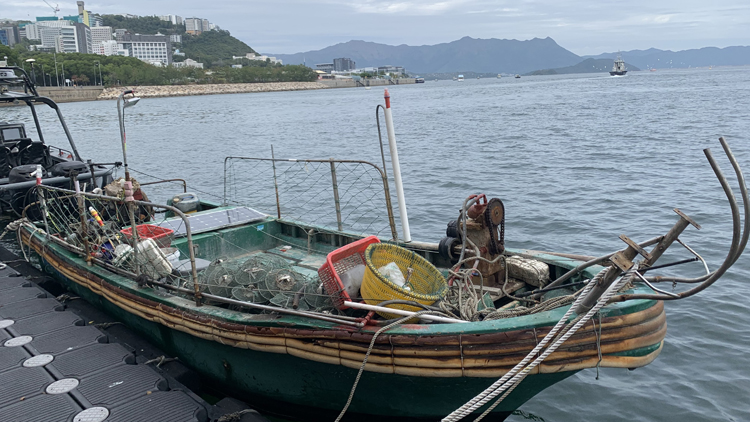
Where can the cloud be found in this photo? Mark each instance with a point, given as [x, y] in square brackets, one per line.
[417, 7]
[583, 26]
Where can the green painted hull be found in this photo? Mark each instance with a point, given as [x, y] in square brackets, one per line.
[289, 386]
[299, 379]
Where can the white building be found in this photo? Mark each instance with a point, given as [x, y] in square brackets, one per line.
[48, 35]
[148, 48]
[193, 26]
[110, 48]
[74, 39]
[66, 42]
[175, 38]
[100, 34]
[33, 32]
[188, 63]
[176, 20]
[55, 24]
[254, 56]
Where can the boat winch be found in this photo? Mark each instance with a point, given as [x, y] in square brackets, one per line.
[482, 234]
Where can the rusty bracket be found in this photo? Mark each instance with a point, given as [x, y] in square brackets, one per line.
[635, 246]
[688, 219]
[621, 261]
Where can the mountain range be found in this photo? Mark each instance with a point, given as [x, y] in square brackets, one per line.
[467, 54]
[702, 57]
[509, 56]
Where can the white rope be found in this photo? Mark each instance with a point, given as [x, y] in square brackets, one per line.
[367, 355]
[521, 370]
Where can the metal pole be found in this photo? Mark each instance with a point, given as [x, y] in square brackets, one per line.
[57, 75]
[396, 168]
[82, 212]
[386, 188]
[128, 185]
[43, 207]
[275, 184]
[336, 201]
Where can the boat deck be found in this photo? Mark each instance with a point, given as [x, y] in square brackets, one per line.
[86, 374]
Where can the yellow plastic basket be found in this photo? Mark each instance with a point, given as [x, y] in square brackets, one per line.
[426, 283]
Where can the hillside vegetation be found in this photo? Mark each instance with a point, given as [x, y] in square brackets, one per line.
[214, 47]
[211, 47]
[142, 25]
[84, 69]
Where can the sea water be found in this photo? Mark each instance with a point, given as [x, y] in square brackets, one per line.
[577, 160]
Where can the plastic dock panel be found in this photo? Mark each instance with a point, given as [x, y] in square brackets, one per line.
[55, 368]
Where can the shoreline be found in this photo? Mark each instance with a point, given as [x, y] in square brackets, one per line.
[157, 91]
[95, 93]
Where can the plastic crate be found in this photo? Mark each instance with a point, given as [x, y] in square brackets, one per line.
[340, 261]
[161, 235]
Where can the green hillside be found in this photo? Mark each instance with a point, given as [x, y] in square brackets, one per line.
[142, 25]
[213, 47]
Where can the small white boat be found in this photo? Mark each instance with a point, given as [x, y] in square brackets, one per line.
[618, 68]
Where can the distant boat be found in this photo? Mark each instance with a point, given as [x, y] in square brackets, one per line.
[518, 76]
[499, 76]
[618, 69]
[460, 78]
[419, 80]
[653, 70]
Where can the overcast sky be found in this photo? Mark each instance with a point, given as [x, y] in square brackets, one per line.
[581, 26]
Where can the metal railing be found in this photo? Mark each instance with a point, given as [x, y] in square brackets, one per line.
[91, 226]
[302, 191]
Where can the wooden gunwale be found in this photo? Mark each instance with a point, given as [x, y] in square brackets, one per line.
[462, 355]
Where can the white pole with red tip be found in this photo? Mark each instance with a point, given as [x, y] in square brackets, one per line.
[396, 168]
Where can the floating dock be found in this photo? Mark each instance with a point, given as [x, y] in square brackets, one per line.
[56, 365]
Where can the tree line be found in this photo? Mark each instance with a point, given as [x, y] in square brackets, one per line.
[51, 69]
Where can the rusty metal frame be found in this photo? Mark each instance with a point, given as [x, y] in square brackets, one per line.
[384, 178]
[177, 212]
[184, 183]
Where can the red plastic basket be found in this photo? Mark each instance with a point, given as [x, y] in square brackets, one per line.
[340, 261]
[162, 236]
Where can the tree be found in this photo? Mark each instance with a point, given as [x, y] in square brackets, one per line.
[10, 53]
[80, 80]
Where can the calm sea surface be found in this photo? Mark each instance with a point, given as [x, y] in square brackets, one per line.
[577, 160]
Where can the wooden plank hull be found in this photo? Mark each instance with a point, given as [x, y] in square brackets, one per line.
[291, 366]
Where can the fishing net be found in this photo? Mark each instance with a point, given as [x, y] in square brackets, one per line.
[220, 277]
[100, 227]
[264, 279]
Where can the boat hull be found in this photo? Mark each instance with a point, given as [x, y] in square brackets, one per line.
[307, 374]
[618, 73]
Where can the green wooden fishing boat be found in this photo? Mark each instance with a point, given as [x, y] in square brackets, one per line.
[251, 309]
[302, 367]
